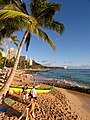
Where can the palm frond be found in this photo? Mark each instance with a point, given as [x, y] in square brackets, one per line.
[44, 12]
[44, 9]
[12, 7]
[23, 7]
[4, 43]
[18, 19]
[56, 26]
[1, 48]
[3, 3]
[17, 6]
[5, 14]
[45, 37]
[27, 41]
[14, 40]
[7, 31]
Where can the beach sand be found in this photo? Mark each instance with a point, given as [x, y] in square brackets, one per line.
[59, 104]
[80, 102]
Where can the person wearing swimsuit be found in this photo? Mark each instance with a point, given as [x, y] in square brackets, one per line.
[31, 106]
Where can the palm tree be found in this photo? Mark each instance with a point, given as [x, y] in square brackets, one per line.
[45, 13]
[1, 48]
[30, 25]
[12, 39]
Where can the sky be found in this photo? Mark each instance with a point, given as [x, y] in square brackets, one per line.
[73, 45]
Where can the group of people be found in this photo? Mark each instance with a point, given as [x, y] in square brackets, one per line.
[5, 74]
[33, 97]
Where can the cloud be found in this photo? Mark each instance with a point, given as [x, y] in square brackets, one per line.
[44, 61]
[67, 62]
[83, 66]
[48, 63]
[54, 61]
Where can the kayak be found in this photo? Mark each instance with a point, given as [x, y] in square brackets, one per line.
[19, 89]
[23, 86]
[38, 90]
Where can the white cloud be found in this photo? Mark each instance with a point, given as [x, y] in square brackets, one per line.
[82, 66]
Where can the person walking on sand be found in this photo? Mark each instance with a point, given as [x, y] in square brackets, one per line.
[33, 97]
[34, 82]
[31, 106]
[33, 92]
[25, 92]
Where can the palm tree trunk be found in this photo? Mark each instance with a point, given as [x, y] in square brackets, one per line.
[5, 88]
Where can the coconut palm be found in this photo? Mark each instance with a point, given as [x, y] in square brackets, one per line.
[43, 11]
[45, 15]
[30, 24]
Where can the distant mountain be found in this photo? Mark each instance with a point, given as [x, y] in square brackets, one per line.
[48, 67]
[35, 63]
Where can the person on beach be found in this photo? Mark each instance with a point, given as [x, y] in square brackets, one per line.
[33, 93]
[31, 106]
[7, 74]
[22, 77]
[25, 92]
[33, 97]
[34, 82]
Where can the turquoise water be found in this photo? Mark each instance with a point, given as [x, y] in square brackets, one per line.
[75, 76]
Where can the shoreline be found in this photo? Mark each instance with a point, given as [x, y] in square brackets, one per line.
[61, 84]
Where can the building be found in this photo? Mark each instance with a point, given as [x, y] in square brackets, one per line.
[22, 58]
[4, 54]
[11, 53]
[65, 67]
[30, 62]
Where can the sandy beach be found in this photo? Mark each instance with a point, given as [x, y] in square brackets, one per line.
[59, 104]
[80, 102]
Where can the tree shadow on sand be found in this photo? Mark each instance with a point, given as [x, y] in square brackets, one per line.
[11, 111]
[16, 97]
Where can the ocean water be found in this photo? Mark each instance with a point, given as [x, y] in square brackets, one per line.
[76, 77]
